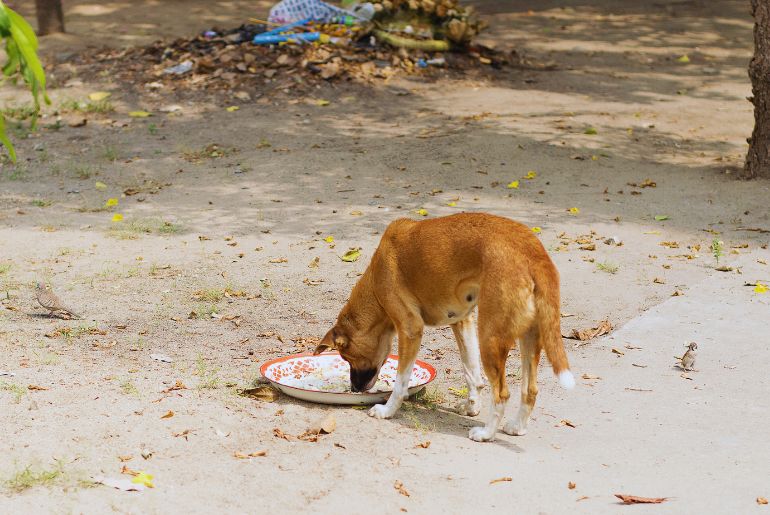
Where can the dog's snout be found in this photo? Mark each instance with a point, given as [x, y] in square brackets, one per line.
[362, 379]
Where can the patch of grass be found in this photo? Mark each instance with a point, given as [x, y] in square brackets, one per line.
[71, 333]
[208, 378]
[99, 106]
[132, 229]
[204, 311]
[5, 268]
[28, 477]
[152, 129]
[212, 151]
[82, 171]
[110, 153]
[430, 398]
[607, 266]
[18, 391]
[717, 247]
[128, 388]
[40, 202]
[18, 112]
[209, 295]
[18, 171]
[416, 423]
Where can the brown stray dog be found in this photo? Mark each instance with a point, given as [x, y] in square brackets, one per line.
[435, 272]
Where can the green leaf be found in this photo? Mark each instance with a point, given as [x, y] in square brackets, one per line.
[25, 27]
[5, 141]
[5, 22]
[351, 255]
[660, 218]
[27, 51]
[591, 131]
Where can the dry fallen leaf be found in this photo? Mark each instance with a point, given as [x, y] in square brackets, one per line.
[565, 422]
[761, 500]
[616, 351]
[590, 376]
[399, 486]
[125, 458]
[184, 434]
[35, 387]
[179, 385]
[280, 434]
[314, 262]
[501, 480]
[169, 414]
[571, 485]
[633, 499]
[424, 445]
[242, 456]
[262, 393]
[604, 327]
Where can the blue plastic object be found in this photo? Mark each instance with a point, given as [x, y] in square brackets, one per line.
[284, 28]
[271, 39]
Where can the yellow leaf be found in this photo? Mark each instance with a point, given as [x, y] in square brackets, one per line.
[329, 239]
[514, 185]
[531, 174]
[139, 114]
[451, 204]
[356, 213]
[684, 59]
[760, 288]
[351, 255]
[320, 102]
[117, 217]
[100, 185]
[537, 230]
[232, 109]
[111, 202]
[594, 157]
[98, 96]
[169, 414]
[422, 212]
[574, 211]
[143, 478]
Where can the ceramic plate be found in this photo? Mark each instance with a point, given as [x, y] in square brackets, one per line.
[326, 378]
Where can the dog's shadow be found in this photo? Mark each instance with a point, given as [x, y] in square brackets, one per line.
[439, 419]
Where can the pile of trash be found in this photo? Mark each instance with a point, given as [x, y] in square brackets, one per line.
[304, 42]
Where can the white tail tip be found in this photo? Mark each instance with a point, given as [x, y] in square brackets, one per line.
[566, 379]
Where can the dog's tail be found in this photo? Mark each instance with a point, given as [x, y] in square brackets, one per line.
[548, 320]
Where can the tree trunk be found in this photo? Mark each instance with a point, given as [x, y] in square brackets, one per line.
[758, 157]
[50, 16]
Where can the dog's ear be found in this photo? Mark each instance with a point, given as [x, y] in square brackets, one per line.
[332, 340]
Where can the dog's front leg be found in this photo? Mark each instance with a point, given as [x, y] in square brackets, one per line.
[408, 345]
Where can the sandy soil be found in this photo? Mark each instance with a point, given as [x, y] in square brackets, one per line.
[293, 173]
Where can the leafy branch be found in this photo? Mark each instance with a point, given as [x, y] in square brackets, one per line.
[21, 48]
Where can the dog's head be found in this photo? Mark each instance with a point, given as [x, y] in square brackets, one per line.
[366, 352]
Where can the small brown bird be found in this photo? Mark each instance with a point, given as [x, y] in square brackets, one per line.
[48, 299]
[687, 361]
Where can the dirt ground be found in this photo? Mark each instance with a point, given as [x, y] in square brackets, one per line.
[210, 263]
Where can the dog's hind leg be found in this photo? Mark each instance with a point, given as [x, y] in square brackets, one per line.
[530, 358]
[506, 313]
[494, 351]
[408, 345]
[468, 342]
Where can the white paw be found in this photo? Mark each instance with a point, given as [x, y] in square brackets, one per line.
[480, 434]
[514, 429]
[469, 408]
[380, 411]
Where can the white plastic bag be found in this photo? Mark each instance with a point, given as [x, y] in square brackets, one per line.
[289, 11]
